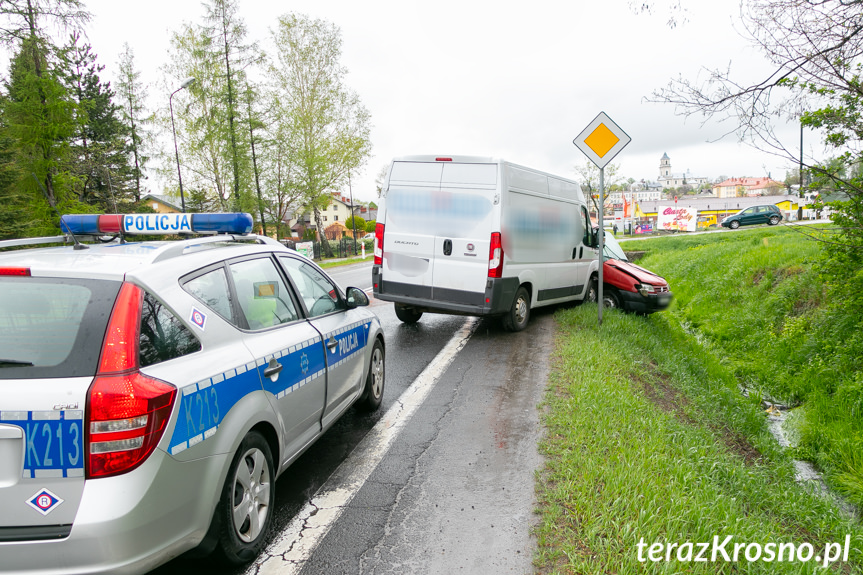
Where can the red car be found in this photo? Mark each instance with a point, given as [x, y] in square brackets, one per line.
[628, 286]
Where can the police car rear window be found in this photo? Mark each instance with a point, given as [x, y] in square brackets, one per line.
[53, 327]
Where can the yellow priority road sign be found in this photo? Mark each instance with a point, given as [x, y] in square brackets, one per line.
[601, 140]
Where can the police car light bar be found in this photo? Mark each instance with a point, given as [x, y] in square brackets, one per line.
[156, 224]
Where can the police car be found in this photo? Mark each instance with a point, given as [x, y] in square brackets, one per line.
[151, 393]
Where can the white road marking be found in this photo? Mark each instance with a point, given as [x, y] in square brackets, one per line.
[292, 549]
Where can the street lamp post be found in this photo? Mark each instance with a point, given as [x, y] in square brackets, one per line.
[185, 84]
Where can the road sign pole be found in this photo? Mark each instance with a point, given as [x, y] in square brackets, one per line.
[600, 302]
[600, 141]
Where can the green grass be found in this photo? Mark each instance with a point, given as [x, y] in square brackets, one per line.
[343, 262]
[649, 437]
[757, 301]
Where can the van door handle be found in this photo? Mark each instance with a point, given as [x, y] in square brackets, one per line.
[573, 252]
[447, 247]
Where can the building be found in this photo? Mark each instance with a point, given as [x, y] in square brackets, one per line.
[669, 179]
[161, 204]
[338, 210]
[740, 187]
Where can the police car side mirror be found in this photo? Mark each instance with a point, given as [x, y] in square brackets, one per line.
[356, 297]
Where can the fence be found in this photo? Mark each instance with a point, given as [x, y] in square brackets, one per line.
[343, 248]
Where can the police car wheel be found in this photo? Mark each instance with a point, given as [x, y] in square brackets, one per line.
[519, 313]
[247, 501]
[374, 390]
[407, 314]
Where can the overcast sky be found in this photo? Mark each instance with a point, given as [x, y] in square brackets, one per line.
[515, 80]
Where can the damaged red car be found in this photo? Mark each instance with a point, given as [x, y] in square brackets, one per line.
[628, 286]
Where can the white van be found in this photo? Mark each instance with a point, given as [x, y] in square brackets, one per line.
[480, 236]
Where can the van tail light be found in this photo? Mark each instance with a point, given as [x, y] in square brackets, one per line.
[15, 271]
[127, 411]
[495, 256]
[379, 244]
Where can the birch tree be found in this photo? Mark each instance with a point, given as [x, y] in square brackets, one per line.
[326, 126]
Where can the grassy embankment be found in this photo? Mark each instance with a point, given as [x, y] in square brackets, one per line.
[650, 439]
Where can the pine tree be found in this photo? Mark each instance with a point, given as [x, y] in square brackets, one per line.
[131, 94]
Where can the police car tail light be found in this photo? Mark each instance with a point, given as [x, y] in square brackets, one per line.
[127, 411]
[379, 244]
[495, 256]
[20, 272]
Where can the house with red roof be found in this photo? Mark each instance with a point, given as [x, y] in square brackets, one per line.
[742, 187]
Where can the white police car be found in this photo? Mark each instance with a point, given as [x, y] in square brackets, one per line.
[151, 393]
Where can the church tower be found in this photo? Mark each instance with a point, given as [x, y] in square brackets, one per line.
[664, 167]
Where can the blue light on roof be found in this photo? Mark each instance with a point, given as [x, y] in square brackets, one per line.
[158, 224]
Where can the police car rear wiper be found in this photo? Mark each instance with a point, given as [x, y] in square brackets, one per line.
[14, 363]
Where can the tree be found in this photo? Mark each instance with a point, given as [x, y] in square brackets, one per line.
[360, 225]
[14, 218]
[589, 174]
[39, 123]
[256, 124]
[98, 153]
[381, 178]
[203, 145]
[814, 48]
[132, 95]
[328, 127]
[38, 108]
[226, 32]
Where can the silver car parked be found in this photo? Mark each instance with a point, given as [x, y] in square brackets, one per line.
[151, 393]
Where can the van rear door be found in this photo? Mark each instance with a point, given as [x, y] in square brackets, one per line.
[463, 226]
[439, 219]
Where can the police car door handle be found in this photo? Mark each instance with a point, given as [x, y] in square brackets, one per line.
[273, 368]
[332, 343]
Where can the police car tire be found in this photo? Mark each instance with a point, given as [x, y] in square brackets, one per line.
[518, 315]
[407, 314]
[235, 545]
[373, 393]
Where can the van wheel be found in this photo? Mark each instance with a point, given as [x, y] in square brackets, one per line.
[247, 501]
[592, 290]
[407, 314]
[374, 391]
[519, 313]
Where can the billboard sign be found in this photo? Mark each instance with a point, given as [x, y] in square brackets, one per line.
[674, 219]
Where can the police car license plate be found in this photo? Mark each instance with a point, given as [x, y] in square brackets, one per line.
[53, 442]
